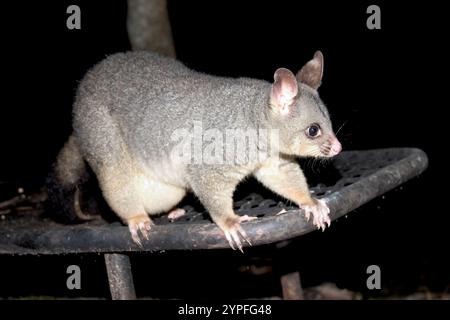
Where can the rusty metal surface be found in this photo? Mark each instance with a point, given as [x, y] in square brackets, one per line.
[359, 176]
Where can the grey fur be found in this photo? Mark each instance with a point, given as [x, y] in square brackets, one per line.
[128, 106]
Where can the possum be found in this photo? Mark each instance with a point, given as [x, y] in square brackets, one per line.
[141, 120]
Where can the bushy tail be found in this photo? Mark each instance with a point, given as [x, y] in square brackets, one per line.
[64, 184]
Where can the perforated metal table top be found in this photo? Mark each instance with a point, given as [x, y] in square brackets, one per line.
[355, 178]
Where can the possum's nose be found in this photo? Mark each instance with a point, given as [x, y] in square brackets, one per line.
[336, 146]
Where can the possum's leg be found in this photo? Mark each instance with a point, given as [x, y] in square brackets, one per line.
[130, 193]
[285, 178]
[134, 196]
[215, 191]
[123, 192]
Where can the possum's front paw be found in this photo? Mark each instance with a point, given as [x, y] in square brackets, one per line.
[140, 224]
[234, 232]
[320, 212]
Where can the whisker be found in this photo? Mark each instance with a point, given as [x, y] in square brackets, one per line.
[314, 163]
[308, 163]
[345, 122]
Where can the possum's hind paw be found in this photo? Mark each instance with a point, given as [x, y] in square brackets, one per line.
[320, 213]
[234, 232]
[140, 224]
[176, 214]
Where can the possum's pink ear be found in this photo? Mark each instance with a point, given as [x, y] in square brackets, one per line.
[284, 90]
[311, 73]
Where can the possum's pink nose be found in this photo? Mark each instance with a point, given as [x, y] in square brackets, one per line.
[336, 147]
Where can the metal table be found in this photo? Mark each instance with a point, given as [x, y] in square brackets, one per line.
[355, 178]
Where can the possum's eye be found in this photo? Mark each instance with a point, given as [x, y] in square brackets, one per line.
[313, 131]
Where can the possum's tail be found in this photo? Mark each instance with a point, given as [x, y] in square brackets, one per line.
[64, 184]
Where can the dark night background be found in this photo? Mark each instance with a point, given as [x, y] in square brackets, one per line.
[385, 85]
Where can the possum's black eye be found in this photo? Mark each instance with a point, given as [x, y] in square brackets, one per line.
[313, 131]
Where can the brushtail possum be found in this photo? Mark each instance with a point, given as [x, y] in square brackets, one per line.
[128, 107]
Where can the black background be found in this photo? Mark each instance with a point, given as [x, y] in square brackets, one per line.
[385, 86]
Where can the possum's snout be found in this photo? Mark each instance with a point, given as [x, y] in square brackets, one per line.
[331, 147]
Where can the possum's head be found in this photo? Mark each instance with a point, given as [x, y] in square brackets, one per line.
[299, 113]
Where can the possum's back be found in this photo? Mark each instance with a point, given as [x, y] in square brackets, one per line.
[134, 78]
[149, 96]
[145, 94]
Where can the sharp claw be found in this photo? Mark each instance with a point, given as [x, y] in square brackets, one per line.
[136, 239]
[234, 234]
[140, 228]
[237, 240]
[239, 244]
[320, 214]
[230, 241]
[143, 229]
[244, 235]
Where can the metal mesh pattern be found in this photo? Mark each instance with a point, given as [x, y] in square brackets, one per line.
[342, 172]
[348, 181]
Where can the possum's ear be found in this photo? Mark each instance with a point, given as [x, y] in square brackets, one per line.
[284, 90]
[311, 73]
